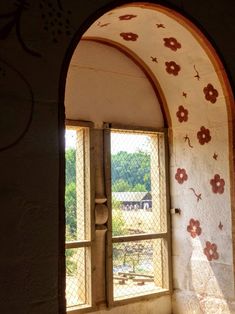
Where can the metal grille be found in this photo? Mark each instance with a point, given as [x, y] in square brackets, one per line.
[77, 276]
[77, 204]
[138, 212]
[138, 268]
[138, 182]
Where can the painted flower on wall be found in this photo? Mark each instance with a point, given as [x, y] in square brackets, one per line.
[194, 228]
[182, 114]
[129, 36]
[211, 93]
[172, 67]
[172, 43]
[126, 17]
[203, 135]
[181, 176]
[217, 184]
[211, 251]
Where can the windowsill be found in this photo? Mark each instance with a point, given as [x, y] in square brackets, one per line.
[118, 302]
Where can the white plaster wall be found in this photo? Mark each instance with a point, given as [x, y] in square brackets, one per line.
[104, 85]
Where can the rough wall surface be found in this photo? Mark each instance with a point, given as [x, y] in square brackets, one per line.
[34, 39]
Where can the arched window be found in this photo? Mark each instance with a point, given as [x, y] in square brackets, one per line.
[117, 224]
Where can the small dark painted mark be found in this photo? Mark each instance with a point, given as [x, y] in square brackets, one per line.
[220, 225]
[154, 59]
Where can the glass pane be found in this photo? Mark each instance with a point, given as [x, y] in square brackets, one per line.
[138, 182]
[77, 201]
[139, 268]
[78, 277]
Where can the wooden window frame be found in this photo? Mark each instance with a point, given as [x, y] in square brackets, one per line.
[110, 302]
[127, 238]
[73, 124]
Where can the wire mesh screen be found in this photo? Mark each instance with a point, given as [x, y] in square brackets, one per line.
[77, 200]
[138, 267]
[138, 209]
[77, 205]
[78, 276]
[138, 183]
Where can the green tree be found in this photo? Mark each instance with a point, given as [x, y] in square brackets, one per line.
[132, 168]
[121, 186]
[70, 194]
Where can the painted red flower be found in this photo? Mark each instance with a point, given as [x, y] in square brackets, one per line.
[210, 93]
[129, 36]
[217, 184]
[126, 17]
[203, 135]
[181, 176]
[172, 68]
[182, 114]
[211, 251]
[194, 228]
[172, 43]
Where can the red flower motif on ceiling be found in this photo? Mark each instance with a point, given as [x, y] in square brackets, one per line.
[203, 135]
[211, 251]
[182, 114]
[129, 36]
[127, 17]
[217, 184]
[172, 43]
[210, 93]
[194, 228]
[172, 68]
[181, 176]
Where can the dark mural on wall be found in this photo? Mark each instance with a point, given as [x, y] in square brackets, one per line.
[15, 118]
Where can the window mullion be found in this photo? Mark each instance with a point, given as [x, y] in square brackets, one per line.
[139, 237]
[77, 244]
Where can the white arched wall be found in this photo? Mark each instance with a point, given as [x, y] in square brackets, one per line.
[104, 85]
[197, 100]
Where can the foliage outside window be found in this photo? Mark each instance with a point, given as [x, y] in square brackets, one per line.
[137, 203]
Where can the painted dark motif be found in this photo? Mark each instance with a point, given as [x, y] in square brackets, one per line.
[184, 95]
[13, 21]
[160, 25]
[182, 114]
[181, 176]
[15, 118]
[154, 59]
[211, 251]
[102, 25]
[56, 20]
[197, 76]
[129, 36]
[211, 93]
[215, 156]
[172, 68]
[217, 184]
[198, 196]
[203, 135]
[172, 43]
[127, 17]
[187, 140]
[194, 228]
[220, 225]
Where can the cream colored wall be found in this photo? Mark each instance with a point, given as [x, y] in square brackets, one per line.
[104, 85]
